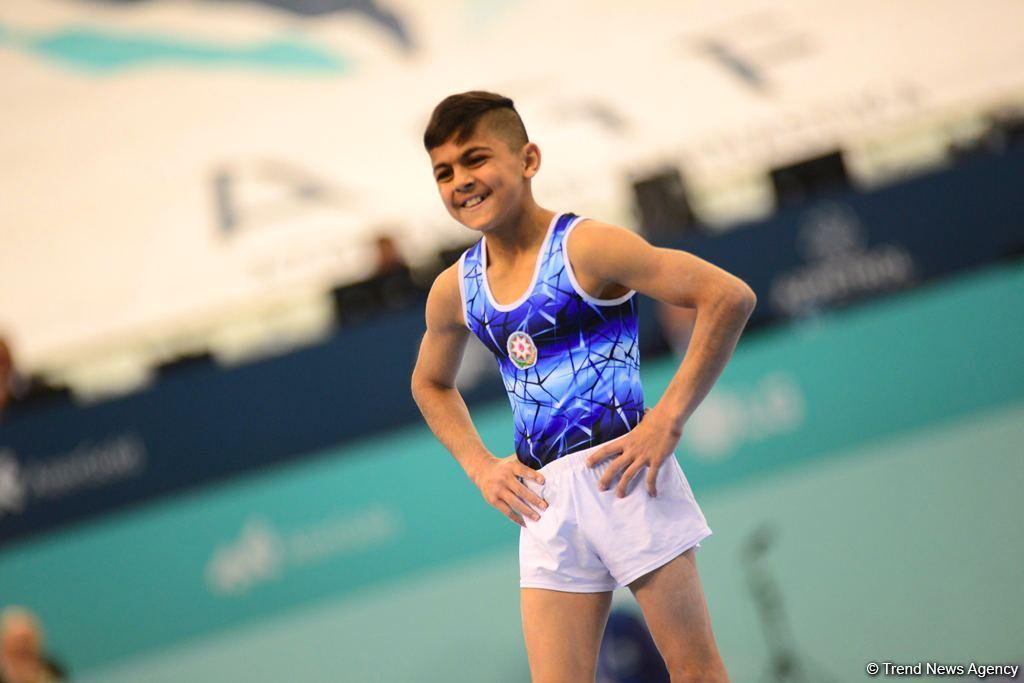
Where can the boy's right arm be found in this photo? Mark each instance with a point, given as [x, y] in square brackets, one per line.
[433, 388]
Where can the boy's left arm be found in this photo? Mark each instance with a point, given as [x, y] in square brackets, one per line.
[603, 255]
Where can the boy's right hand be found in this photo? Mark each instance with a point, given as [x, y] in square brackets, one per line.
[500, 483]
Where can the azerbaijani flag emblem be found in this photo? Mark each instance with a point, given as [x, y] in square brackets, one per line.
[522, 350]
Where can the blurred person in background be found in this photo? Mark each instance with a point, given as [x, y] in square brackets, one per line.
[390, 286]
[22, 657]
[389, 259]
[12, 385]
[392, 273]
[567, 346]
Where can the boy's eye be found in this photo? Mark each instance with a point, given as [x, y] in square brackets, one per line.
[442, 176]
[475, 160]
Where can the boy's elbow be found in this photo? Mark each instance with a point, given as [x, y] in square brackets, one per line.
[742, 296]
[416, 386]
[420, 386]
[749, 297]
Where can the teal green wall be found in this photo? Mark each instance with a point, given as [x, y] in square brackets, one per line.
[883, 443]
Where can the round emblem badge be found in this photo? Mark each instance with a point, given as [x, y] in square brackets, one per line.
[522, 350]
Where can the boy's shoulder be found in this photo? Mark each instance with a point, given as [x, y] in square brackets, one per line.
[444, 302]
[604, 255]
[593, 237]
[586, 224]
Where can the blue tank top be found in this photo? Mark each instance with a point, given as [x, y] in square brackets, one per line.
[570, 362]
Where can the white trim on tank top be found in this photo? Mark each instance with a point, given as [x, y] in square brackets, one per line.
[572, 276]
[505, 308]
[462, 290]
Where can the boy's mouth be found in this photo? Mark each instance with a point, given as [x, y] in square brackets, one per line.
[475, 200]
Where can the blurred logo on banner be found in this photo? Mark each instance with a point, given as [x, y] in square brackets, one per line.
[117, 45]
[102, 50]
[369, 10]
[87, 466]
[263, 552]
[842, 266]
[730, 417]
[256, 556]
[12, 487]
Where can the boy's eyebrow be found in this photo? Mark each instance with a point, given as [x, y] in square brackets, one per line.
[465, 154]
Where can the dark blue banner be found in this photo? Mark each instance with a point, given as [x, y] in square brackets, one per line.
[203, 423]
[848, 245]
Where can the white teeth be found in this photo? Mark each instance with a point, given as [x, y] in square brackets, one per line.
[473, 201]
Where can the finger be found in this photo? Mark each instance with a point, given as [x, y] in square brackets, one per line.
[530, 497]
[627, 476]
[521, 507]
[602, 453]
[527, 473]
[618, 464]
[652, 478]
[509, 513]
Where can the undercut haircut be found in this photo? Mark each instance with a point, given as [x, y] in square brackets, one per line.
[458, 116]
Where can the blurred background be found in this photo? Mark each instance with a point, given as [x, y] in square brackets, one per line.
[217, 228]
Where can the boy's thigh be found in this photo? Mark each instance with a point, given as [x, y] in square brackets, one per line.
[563, 633]
[676, 612]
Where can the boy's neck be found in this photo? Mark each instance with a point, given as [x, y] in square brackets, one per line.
[521, 235]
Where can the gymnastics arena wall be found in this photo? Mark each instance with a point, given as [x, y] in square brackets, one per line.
[863, 467]
[201, 421]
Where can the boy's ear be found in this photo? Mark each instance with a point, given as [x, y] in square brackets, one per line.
[531, 159]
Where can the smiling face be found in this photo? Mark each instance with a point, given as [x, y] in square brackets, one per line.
[483, 181]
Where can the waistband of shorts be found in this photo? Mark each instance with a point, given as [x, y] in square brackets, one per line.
[574, 461]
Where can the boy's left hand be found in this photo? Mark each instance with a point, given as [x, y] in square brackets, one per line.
[648, 444]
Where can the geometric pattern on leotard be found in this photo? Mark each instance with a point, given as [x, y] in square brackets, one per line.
[584, 388]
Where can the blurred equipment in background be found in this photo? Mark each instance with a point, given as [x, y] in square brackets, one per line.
[1004, 130]
[18, 391]
[853, 246]
[785, 665]
[22, 657]
[1009, 126]
[664, 210]
[201, 362]
[628, 653]
[799, 182]
[452, 254]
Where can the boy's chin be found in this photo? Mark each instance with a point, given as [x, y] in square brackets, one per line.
[479, 223]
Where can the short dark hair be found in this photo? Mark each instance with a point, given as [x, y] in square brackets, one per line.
[459, 115]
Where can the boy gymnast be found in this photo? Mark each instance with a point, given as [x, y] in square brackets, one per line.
[594, 482]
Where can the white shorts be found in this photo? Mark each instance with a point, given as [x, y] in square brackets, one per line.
[590, 541]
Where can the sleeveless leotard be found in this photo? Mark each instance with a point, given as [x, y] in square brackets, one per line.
[570, 362]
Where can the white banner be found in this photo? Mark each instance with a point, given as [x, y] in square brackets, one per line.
[170, 161]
